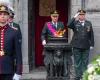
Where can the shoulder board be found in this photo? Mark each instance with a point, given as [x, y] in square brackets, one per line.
[14, 28]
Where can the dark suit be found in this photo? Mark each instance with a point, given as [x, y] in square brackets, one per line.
[12, 52]
[82, 39]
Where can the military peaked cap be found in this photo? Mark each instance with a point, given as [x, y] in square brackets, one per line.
[4, 8]
[81, 12]
[55, 13]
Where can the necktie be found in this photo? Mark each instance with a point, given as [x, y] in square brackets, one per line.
[55, 25]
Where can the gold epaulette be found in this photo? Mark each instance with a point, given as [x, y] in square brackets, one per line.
[14, 28]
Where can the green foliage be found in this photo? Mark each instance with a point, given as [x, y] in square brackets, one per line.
[85, 75]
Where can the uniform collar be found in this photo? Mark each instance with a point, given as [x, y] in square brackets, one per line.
[55, 24]
[4, 27]
[82, 21]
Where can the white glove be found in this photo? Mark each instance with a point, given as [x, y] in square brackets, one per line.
[43, 42]
[16, 76]
[76, 15]
[91, 47]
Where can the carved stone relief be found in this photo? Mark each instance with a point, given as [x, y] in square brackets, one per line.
[46, 6]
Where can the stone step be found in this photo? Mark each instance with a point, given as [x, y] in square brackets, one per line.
[33, 79]
[36, 74]
[40, 74]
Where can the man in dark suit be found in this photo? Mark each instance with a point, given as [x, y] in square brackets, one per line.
[51, 30]
[10, 48]
[82, 41]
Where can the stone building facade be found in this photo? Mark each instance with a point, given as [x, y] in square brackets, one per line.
[23, 10]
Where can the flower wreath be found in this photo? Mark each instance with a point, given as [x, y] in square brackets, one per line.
[93, 70]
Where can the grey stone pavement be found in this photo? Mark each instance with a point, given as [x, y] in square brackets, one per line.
[36, 74]
[40, 74]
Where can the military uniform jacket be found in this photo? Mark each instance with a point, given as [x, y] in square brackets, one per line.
[83, 35]
[15, 25]
[46, 33]
[11, 61]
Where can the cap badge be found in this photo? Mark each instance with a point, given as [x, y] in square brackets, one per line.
[3, 8]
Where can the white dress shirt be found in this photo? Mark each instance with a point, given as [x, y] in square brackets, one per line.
[55, 24]
[82, 22]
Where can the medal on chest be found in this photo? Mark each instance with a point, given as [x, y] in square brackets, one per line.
[88, 28]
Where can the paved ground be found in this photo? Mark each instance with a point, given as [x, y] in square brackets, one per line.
[36, 74]
[40, 74]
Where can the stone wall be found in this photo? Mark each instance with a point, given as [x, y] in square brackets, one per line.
[24, 28]
[22, 19]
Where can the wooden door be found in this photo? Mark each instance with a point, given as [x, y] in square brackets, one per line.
[62, 6]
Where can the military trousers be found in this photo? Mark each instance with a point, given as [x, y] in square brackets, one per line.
[81, 59]
[47, 60]
[6, 76]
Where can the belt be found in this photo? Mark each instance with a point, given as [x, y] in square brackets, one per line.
[5, 53]
[2, 53]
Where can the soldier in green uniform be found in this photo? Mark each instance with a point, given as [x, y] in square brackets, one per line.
[82, 42]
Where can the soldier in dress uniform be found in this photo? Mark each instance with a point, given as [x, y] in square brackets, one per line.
[10, 48]
[82, 41]
[11, 21]
[50, 30]
[51, 27]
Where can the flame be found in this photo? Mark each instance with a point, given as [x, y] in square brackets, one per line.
[60, 33]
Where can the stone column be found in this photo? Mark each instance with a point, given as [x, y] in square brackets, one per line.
[25, 35]
[22, 19]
